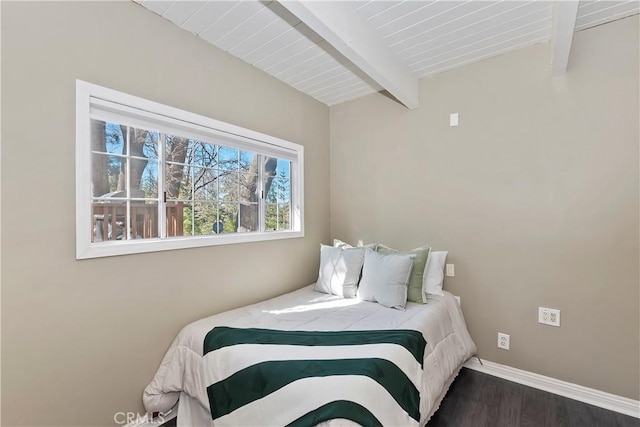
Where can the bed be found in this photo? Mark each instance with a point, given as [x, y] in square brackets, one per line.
[184, 377]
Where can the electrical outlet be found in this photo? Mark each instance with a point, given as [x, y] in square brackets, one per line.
[503, 341]
[549, 316]
[543, 315]
[554, 317]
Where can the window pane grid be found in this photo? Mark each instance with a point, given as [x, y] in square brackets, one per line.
[168, 162]
[143, 181]
[106, 153]
[145, 159]
[124, 207]
[128, 180]
[231, 189]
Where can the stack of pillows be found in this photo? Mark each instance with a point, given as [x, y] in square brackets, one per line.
[381, 274]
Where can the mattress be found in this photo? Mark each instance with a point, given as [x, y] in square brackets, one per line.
[181, 379]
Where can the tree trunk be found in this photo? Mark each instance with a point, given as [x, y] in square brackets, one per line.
[176, 152]
[137, 139]
[99, 171]
[249, 194]
[270, 167]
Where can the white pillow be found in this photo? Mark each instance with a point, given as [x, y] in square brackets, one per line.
[385, 277]
[434, 273]
[337, 243]
[339, 271]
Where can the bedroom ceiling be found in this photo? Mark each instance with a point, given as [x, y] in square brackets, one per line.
[369, 46]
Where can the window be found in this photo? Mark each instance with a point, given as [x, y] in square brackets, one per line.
[151, 177]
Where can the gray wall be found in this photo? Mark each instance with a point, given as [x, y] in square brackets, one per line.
[535, 195]
[81, 339]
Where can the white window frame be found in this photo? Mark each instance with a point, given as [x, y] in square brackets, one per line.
[113, 102]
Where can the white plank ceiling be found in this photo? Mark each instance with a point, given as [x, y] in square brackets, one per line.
[428, 37]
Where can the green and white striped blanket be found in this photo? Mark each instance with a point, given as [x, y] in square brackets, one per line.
[301, 378]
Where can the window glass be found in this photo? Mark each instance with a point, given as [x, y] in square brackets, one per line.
[150, 172]
[124, 185]
[278, 189]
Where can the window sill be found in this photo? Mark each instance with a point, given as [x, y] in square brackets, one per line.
[115, 248]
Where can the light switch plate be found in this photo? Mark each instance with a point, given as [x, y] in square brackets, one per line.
[453, 119]
[451, 272]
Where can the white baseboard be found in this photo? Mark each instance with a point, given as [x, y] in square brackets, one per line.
[577, 392]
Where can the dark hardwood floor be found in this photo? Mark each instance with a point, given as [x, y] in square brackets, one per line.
[476, 399]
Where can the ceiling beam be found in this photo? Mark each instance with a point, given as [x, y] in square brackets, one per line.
[564, 23]
[340, 26]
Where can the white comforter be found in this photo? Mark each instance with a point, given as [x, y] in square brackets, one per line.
[181, 373]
